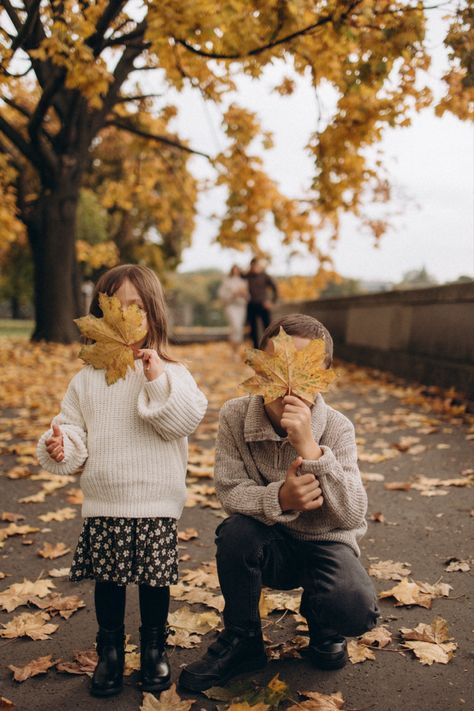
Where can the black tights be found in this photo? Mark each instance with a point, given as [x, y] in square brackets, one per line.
[110, 605]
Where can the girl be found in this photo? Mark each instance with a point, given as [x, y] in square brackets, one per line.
[234, 294]
[131, 437]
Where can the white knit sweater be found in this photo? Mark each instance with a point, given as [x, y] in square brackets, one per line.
[132, 437]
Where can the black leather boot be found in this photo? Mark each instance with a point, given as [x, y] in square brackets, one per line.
[231, 654]
[107, 679]
[154, 665]
[330, 653]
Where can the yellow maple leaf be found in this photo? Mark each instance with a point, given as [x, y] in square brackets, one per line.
[114, 334]
[288, 371]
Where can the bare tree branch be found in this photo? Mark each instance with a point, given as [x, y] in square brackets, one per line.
[155, 137]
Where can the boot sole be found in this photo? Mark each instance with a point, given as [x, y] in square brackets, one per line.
[202, 685]
[156, 687]
[327, 664]
[106, 692]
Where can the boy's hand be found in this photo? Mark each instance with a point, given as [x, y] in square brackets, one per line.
[300, 492]
[152, 365]
[296, 420]
[55, 445]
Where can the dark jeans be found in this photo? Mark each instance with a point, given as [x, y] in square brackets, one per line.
[256, 312]
[338, 597]
[110, 605]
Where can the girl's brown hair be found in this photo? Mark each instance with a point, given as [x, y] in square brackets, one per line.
[150, 290]
[303, 326]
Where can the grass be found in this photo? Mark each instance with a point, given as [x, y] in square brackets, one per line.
[11, 328]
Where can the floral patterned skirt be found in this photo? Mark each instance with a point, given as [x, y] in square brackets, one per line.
[127, 550]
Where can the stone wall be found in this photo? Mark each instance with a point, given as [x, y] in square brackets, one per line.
[422, 334]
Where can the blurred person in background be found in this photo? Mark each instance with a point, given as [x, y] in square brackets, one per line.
[260, 303]
[234, 294]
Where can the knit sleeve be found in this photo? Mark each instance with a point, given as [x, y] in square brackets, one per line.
[172, 403]
[237, 491]
[74, 432]
[343, 492]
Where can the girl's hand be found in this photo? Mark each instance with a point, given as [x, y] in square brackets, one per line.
[296, 420]
[55, 445]
[152, 364]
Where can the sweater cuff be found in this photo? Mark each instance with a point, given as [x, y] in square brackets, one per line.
[158, 390]
[271, 504]
[323, 465]
[75, 454]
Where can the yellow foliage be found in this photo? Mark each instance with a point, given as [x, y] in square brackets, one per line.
[288, 371]
[114, 336]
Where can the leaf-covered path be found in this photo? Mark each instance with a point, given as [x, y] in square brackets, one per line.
[416, 457]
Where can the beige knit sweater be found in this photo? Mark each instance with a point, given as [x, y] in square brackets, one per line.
[251, 464]
[131, 438]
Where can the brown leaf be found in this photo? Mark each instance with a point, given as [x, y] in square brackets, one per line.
[430, 643]
[388, 570]
[455, 565]
[188, 534]
[60, 515]
[319, 702]
[33, 668]
[84, 663]
[6, 704]
[21, 593]
[58, 572]
[34, 625]
[51, 551]
[412, 593]
[378, 637]
[114, 334]
[359, 652]
[169, 701]
[288, 370]
[66, 605]
[11, 517]
[397, 486]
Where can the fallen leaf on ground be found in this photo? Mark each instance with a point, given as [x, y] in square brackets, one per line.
[197, 596]
[66, 605]
[372, 476]
[6, 703]
[60, 515]
[204, 576]
[359, 652]
[270, 601]
[51, 551]
[378, 637]
[58, 572]
[169, 701]
[33, 668]
[455, 565]
[188, 534]
[412, 593]
[195, 622]
[378, 517]
[389, 570]
[397, 486]
[11, 517]
[21, 593]
[430, 643]
[83, 663]
[34, 625]
[319, 702]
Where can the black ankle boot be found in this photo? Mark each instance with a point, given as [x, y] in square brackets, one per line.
[154, 665]
[330, 653]
[231, 654]
[108, 675]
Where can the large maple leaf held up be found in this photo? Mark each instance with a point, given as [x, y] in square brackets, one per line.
[114, 336]
[288, 371]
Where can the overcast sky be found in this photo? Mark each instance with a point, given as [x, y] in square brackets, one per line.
[431, 163]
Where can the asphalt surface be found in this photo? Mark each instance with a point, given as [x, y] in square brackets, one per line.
[424, 531]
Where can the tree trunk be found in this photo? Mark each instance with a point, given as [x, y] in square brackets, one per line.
[51, 231]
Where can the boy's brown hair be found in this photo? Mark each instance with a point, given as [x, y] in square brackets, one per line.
[149, 287]
[303, 326]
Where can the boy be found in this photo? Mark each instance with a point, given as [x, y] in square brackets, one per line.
[287, 474]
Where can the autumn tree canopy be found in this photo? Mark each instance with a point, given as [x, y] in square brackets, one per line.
[72, 80]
